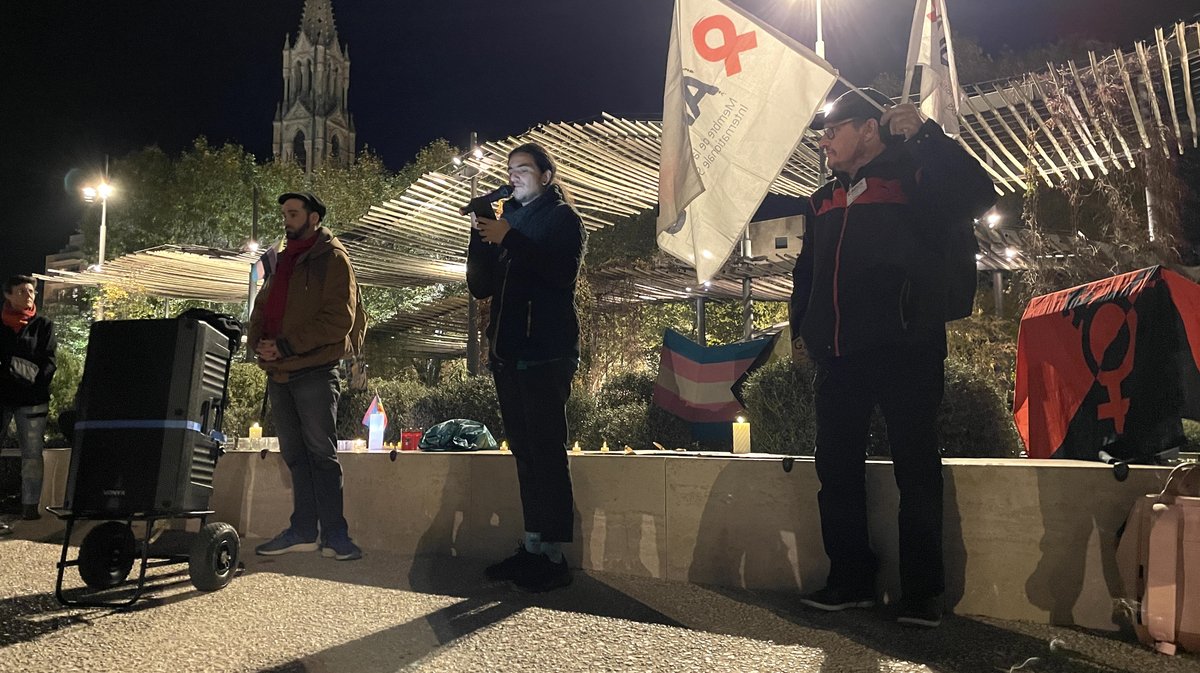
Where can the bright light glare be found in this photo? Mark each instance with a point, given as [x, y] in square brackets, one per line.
[252, 246]
[993, 219]
[478, 153]
[1010, 253]
[89, 194]
[105, 190]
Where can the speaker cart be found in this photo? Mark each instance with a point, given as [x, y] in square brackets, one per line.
[145, 449]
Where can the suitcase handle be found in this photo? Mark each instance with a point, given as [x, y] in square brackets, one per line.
[1178, 481]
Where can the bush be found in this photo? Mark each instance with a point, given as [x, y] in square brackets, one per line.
[618, 426]
[779, 405]
[625, 414]
[63, 388]
[244, 396]
[580, 409]
[1191, 430]
[473, 398]
[974, 420]
[626, 389]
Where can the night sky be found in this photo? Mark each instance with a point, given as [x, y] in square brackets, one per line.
[82, 79]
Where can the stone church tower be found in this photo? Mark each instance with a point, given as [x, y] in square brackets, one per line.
[312, 125]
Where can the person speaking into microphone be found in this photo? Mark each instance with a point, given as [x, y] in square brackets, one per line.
[527, 262]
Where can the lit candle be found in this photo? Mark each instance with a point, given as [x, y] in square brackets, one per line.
[604, 447]
[576, 448]
[256, 431]
[741, 436]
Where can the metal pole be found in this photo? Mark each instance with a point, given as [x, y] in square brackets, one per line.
[701, 332]
[103, 229]
[820, 33]
[103, 215]
[747, 304]
[998, 292]
[252, 291]
[1151, 210]
[472, 305]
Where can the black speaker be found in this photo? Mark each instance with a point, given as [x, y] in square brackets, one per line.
[151, 398]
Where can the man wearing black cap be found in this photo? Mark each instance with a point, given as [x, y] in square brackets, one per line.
[300, 330]
[888, 258]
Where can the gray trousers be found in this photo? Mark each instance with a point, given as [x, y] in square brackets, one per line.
[31, 437]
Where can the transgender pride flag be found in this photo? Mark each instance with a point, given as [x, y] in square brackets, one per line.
[703, 385]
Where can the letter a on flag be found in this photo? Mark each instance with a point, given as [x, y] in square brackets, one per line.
[375, 408]
[737, 99]
[930, 47]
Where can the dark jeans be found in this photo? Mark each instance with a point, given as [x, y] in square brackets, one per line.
[533, 405]
[305, 412]
[906, 381]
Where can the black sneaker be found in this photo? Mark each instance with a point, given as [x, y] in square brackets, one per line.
[30, 512]
[835, 599]
[923, 612]
[512, 567]
[544, 575]
[5, 529]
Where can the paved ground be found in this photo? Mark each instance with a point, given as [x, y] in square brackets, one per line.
[301, 613]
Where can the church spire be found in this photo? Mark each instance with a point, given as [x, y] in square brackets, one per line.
[317, 22]
[313, 126]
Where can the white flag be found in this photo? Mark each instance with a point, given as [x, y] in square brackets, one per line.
[929, 46]
[738, 97]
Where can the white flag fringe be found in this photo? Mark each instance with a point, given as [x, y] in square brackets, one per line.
[737, 99]
[930, 47]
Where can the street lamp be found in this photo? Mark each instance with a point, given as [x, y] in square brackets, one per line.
[820, 33]
[820, 46]
[101, 191]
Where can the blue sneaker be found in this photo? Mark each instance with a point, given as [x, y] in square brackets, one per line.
[286, 542]
[341, 548]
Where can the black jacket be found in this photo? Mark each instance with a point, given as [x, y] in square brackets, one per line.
[35, 343]
[531, 279]
[890, 266]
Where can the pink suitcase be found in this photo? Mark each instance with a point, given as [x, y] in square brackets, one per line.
[1159, 559]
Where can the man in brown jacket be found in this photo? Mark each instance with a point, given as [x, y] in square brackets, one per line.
[300, 330]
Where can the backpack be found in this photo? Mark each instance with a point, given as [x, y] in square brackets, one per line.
[358, 330]
[459, 434]
[1159, 562]
[357, 378]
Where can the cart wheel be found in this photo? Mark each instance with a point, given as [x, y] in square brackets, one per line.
[214, 556]
[106, 555]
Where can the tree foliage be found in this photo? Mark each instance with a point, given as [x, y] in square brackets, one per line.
[205, 195]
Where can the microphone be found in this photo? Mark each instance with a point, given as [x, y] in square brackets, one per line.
[501, 192]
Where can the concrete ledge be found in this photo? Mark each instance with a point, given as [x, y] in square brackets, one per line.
[1025, 539]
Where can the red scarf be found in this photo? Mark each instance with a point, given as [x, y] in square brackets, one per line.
[17, 319]
[277, 301]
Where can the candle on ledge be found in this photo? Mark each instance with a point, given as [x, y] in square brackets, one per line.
[741, 436]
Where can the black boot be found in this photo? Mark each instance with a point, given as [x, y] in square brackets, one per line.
[30, 512]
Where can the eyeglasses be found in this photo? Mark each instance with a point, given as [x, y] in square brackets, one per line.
[831, 131]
